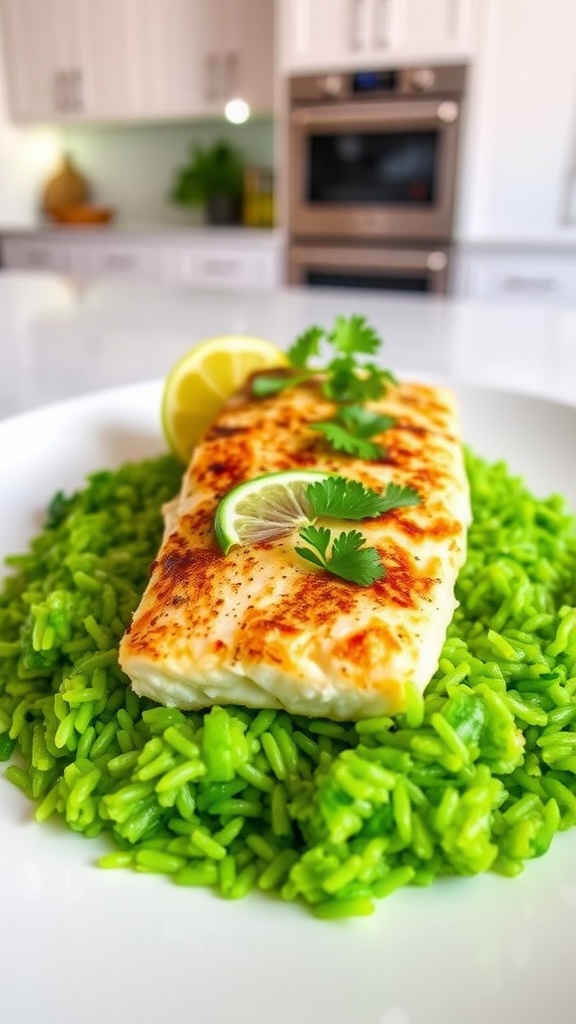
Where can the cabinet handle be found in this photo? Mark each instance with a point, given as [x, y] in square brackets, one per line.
[210, 77]
[568, 213]
[120, 261]
[231, 65]
[359, 29]
[37, 258]
[382, 23]
[61, 90]
[220, 268]
[530, 284]
[76, 91]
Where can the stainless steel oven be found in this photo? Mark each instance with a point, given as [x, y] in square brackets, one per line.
[373, 155]
[372, 159]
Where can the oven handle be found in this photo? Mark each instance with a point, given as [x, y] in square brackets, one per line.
[391, 115]
[337, 257]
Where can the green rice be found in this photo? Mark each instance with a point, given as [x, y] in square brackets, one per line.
[478, 775]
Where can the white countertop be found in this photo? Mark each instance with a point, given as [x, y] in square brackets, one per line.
[157, 234]
[60, 338]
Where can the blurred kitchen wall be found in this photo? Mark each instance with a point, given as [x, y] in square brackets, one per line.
[131, 166]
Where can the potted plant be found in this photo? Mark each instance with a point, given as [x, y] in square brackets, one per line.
[213, 178]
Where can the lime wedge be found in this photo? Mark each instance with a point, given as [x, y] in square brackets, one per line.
[264, 508]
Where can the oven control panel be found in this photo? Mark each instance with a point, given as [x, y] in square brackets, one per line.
[377, 84]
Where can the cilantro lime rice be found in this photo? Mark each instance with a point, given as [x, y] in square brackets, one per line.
[478, 775]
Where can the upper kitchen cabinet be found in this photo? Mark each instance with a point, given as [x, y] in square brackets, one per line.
[198, 54]
[134, 59]
[323, 35]
[69, 59]
[518, 160]
[35, 85]
[173, 79]
[238, 53]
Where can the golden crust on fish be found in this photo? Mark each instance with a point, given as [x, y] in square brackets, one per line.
[262, 628]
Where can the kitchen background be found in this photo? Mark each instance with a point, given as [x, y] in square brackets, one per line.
[129, 88]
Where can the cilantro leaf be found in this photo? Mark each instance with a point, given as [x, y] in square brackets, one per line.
[319, 537]
[396, 496]
[377, 380]
[352, 334]
[355, 562]
[349, 558]
[364, 422]
[343, 441]
[264, 385]
[305, 346]
[347, 381]
[341, 498]
[342, 383]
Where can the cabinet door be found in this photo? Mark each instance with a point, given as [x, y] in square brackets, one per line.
[235, 52]
[36, 254]
[517, 277]
[118, 259]
[219, 267]
[420, 30]
[321, 34]
[103, 61]
[34, 90]
[344, 34]
[248, 54]
[521, 115]
[70, 59]
[171, 69]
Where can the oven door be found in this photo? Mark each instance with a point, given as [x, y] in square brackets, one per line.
[373, 170]
[397, 270]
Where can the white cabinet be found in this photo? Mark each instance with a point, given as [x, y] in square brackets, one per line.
[34, 88]
[518, 160]
[105, 82]
[235, 267]
[117, 259]
[69, 59]
[248, 57]
[516, 276]
[171, 77]
[112, 59]
[198, 54]
[36, 254]
[232, 259]
[319, 35]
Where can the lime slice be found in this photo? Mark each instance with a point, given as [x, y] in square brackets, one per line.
[200, 383]
[264, 508]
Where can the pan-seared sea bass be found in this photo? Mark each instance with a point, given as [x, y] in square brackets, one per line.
[262, 628]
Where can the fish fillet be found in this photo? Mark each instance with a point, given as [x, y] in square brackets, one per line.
[262, 628]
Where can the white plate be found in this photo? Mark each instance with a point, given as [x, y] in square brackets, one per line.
[84, 946]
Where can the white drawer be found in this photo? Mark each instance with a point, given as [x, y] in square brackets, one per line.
[516, 278]
[26, 254]
[220, 268]
[118, 260]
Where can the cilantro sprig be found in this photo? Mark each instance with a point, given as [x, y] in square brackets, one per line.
[348, 557]
[346, 554]
[340, 498]
[351, 431]
[349, 378]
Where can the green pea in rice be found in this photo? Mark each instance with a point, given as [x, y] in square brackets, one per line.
[478, 775]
